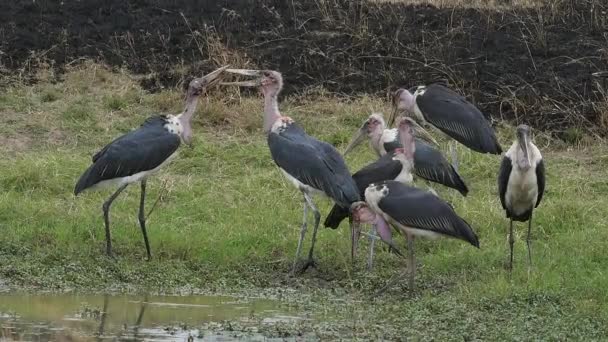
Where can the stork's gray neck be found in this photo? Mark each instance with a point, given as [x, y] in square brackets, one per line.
[271, 111]
[185, 118]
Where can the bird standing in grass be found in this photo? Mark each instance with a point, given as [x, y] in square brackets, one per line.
[414, 212]
[429, 163]
[136, 155]
[450, 113]
[521, 184]
[312, 166]
[394, 165]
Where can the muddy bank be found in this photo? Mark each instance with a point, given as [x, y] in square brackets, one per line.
[532, 65]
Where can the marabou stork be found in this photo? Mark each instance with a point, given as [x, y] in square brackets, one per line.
[429, 163]
[311, 165]
[136, 155]
[414, 212]
[450, 113]
[395, 165]
[521, 184]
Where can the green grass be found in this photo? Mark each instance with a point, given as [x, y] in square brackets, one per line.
[228, 221]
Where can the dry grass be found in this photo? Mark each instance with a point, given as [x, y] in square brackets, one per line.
[481, 4]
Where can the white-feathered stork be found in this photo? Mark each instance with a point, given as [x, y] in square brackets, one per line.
[396, 165]
[136, 155]
[312, 166]
[450, 113]
[429, 163]
[521, 184]
[414, 212]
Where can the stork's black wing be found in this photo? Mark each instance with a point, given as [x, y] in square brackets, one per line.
[416, 208]
[385, 168]
[540, 180]
[140, 150]
[313, 163]
[458, 118]
[390, 146]
[503, 180]
[431, 165]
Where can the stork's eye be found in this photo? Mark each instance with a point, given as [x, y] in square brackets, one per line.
[267, 73]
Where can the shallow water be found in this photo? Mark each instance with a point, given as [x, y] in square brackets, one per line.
[78, 317]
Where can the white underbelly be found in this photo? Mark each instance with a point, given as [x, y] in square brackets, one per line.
[120, 181]
[416, 232]
[298, 184]
[522, 191]
[419, 115]
[405, 177]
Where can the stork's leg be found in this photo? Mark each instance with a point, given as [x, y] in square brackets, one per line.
[317, 215]
[528, 242]
[511, 242]
[302, 235]
[411, 269]
[454, 155]
[372, 242]
[142, 217]
[106, 218]
[411, 262]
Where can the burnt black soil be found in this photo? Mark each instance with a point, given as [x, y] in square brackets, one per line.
[532, 65]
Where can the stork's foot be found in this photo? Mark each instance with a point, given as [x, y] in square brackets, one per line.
[110, 255]
[308, 264]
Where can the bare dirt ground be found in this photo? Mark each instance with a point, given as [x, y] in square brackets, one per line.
[542, 64]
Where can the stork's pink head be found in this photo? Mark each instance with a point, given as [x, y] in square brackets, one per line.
[271, 82]
[406, 136]
[403, 100]
[374, 124]
[362, 213]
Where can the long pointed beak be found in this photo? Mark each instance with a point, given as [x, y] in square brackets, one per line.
[394, 248]
[245, 72]
[419, 131]
[213, 77]
[355, 233]
[357, 138]
[392, 117]
[523, 143]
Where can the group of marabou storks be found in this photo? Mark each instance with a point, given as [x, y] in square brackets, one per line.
[379, 194]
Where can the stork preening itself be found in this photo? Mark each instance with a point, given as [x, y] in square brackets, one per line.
[521, 184]
[395, 165]
[450, 113]
[138, 154]
[414, 212]
[429, 163]
[312, 166]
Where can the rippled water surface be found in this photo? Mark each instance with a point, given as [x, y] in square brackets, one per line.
[75, 317]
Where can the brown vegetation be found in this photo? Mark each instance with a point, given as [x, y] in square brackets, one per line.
[540, 62]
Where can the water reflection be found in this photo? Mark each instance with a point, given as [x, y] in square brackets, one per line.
[74, 317]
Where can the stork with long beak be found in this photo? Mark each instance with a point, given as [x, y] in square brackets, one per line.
[521, 184]
[414, 212]
[429, 163]
[450, 113]
[311, 165]
[135, 156]
[395, 165]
